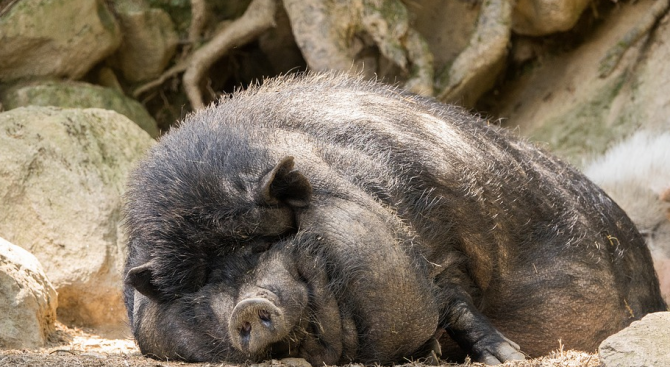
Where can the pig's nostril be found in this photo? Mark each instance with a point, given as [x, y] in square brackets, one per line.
[264, 315]
[245, 330]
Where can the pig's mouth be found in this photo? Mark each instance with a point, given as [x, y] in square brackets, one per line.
[322, 333]
[292, 344]
[312, 339]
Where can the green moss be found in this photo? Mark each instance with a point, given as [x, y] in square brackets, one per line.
[106, 18]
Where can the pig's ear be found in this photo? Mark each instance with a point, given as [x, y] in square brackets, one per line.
[139, 278]
[284, 184]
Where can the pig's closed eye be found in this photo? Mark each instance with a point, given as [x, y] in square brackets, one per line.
[261, 244]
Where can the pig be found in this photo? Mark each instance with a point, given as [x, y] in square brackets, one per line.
[636, 174]
[338, 220]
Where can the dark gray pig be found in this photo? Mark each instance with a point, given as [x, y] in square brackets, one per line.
[339, 220]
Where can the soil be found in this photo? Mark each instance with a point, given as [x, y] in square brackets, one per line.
[79, 347]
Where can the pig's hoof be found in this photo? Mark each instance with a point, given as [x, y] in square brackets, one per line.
[433, 359]
[435, 352]
[497, 350]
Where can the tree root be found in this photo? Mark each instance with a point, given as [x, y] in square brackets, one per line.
[611, 59]
[169, 73]
[475, 69]
[421, 71]
[259, 16]
[198, 17]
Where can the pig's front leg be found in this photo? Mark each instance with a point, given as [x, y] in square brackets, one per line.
[466, 325]
[477, 336]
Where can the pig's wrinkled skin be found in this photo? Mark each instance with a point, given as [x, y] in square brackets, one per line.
[339, 220]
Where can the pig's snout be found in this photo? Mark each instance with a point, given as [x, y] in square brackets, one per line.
[255, 324]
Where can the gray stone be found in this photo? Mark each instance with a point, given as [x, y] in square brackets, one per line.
[149, 42]
[64, 174]
[643, 344]
[542, 17]
[27, 299]
[446, 26]
[77, 95]
[477, 67]
[328, 35]
[55, 38]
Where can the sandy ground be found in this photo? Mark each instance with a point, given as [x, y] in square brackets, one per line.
[77, 347]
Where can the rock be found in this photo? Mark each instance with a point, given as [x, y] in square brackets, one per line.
[636, 174]
[643, 344]
[446, 26]
[55, 38]
[279, 46]
[563, 102]
[336, 35]
[149, 42]
[27, 299]
[542, 17]
[77, 95]
[477, 67]
[64, 173]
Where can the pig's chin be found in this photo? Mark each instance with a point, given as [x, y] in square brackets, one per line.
[316, 342]
[323, 335]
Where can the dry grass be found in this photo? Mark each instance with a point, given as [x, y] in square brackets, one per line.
[77, 347]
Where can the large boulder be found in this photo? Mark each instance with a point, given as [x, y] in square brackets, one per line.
[77, 95]
[27, 299]
[55, 38]
[64, 174]
[643, 344]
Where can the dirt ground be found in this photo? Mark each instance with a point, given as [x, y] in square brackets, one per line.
[77, 347]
